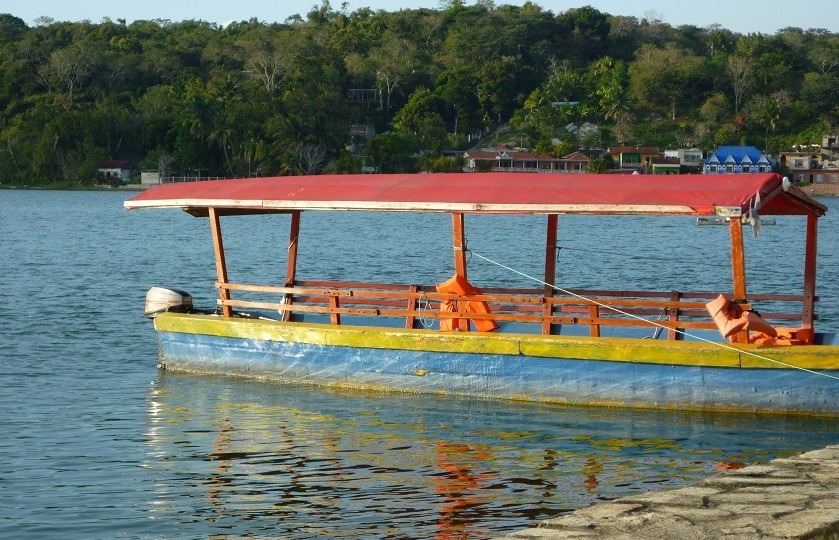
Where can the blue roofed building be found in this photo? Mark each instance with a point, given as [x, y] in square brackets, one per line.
[736, 159]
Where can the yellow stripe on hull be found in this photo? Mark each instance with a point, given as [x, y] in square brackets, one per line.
[679, 353]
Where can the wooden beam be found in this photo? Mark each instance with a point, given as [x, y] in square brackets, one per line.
[738, 267]
[221, 265]
[410, 320]
[738, 259]
[291, 265]
[334, 310]
[675, 297]
[594, 314]
[592, 318]
[459, 231]
[550, 269]
[809, 303]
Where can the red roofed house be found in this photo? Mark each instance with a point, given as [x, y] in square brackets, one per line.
[506, 159]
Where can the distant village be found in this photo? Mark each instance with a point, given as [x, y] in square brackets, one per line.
[807, 164]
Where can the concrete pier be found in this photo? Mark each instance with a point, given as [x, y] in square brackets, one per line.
[787, 498]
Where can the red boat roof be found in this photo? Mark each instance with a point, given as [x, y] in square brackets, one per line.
[496, 192]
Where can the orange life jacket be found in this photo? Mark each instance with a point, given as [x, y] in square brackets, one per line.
[784, 336]
[730, 319]
[457, 284]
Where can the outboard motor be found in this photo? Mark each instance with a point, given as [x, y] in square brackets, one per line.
[160, 300]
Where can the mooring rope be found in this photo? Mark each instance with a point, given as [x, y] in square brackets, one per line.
[654, 323]
[423, 305]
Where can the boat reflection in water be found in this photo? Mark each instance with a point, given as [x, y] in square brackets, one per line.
[241, 457]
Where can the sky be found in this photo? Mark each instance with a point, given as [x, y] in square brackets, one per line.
[742, 16]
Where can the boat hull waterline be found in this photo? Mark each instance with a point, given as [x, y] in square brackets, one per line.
[607, 372]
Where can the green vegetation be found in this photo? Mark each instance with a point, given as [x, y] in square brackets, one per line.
[255, 99]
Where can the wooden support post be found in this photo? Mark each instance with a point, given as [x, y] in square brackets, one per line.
[459, 230]
[221, 265]
[738, 268]
[675, 296]
[594, 314]
[412, 306]
[291, 264]
[809, 304]
[334, 318]
[550, 270]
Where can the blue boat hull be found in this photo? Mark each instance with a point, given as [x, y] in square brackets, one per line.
[699, 377]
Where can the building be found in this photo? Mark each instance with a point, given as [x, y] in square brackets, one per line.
[575, 162]
[666, 165]
[691, 160]
[504, 158]
[114, 171]
[639, 158]
[813, 164]
[736, 159]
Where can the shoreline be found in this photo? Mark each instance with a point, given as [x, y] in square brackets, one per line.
[818, 190]
[822, 190]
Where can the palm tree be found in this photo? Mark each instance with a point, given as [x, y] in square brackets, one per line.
[223, 138]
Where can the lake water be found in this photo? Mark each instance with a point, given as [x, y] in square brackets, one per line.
[97, 443]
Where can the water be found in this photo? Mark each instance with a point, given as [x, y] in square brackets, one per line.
[97, 443]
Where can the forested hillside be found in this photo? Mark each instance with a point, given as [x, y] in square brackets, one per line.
[253, 98]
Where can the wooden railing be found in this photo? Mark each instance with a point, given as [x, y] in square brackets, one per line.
[674, 311]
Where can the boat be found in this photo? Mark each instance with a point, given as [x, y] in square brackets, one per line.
[709, 351]
[724, 221]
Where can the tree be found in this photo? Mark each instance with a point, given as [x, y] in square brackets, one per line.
[662, 78]
[623, 128]
[771, 60]
[458, 89]
[13, 169]
[11, 27]
[393, 63]
[583, 34]
[820, 92]
[422, 103]
[267, 58]
[392, 152]
[715, 109]
[597, 165]
[311, 157]
[825, 58]
[702, 136]
[739, 70]
[766, 111]
[253, 150]
[499, 87]
[160, 160]
[66, 70]
[222, 137]
[255, 97]
[610, 80]
[422, 117]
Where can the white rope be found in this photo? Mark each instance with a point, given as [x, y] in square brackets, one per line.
[654, 323]
[423, 305]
